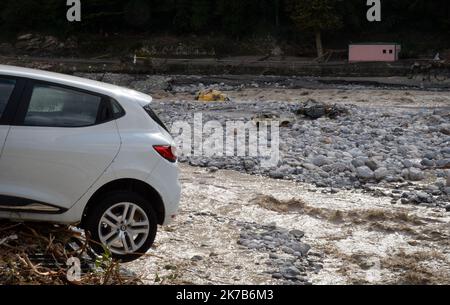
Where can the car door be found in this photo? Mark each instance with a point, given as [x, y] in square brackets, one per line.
[61, 142]
[7, 86]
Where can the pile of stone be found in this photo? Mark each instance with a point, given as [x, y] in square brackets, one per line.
[402, 150]
[289, 259]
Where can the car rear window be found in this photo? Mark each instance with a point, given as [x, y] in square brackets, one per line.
[155, 117]
[6, 89]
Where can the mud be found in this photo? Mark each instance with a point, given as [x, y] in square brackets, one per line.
[360, 238]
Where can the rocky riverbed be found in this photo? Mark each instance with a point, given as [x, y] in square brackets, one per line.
[361, 194]
[376, 137]
[404, 150]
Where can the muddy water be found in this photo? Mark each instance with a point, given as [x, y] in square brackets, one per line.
[363, 239]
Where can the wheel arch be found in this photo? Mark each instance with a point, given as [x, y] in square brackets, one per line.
[137, 186]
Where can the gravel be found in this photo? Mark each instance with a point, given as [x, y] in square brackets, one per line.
[358, 148]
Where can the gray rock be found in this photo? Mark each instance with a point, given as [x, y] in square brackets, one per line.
[309, 166]
[372, 164]
[364, 173]
[213, 169]
[276, 174]
[320, 161]
[287, 250]
[446, 151]
[197, 258]
[297, 233]
[301, 247]
[381, 173]
[271, 226]
[430, 155]
[393, 179]
[445, 129]
[415, 174]
[355, 152]
[409, 198]
[277, 276]
[340, 167]
[445, 163]
[359, 161]
[427, 162]
[327, 168]
[287, 170]
[290, 272]
[408, 163]
[273, 256]
[268, 238]
[424, 197]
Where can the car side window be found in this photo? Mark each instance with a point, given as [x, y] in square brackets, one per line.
[6, 89]
[117, 110]
[54, 106]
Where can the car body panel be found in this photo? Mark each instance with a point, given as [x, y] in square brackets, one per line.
[56, 165]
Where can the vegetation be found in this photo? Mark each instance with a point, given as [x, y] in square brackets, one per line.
[416, 23]
[315, 16]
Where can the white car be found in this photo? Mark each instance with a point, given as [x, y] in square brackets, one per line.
[77, 151]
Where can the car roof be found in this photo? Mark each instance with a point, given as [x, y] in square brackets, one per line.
[73, 81]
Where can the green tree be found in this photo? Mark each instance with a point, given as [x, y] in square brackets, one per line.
[315, 16]
[201, 12]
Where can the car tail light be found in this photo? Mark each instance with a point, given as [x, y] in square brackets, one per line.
[167, 152]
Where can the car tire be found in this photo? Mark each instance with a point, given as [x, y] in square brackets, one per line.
[102, 216]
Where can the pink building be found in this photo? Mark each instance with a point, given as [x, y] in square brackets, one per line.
[373, 52]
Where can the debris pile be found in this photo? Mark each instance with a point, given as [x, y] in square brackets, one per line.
[45, 254]
[315, 110]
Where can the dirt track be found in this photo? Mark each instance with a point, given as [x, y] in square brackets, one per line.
[362, 239]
